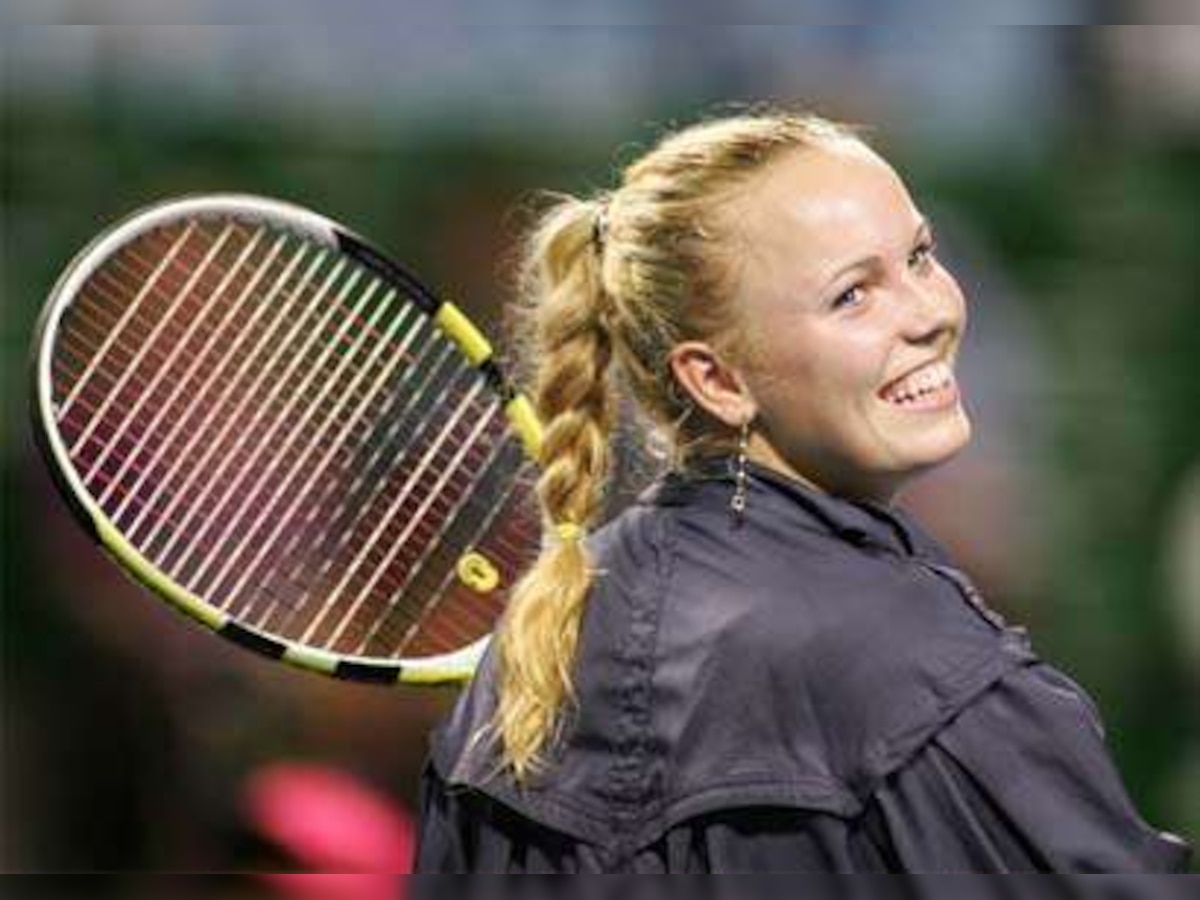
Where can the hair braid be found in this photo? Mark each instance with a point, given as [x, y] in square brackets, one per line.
[573, 397]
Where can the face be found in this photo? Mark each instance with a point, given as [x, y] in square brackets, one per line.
[854, 324]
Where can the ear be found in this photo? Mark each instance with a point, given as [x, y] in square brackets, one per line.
[713, 385]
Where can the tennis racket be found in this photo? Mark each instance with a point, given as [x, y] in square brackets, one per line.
[290, 438]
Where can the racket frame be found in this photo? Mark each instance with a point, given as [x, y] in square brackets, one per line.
[447, 668]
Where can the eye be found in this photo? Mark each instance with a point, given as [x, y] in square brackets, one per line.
[922, 254]
[848, 297]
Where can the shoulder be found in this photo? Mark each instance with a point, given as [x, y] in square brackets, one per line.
[632, 554]
[793, 656]
[812, 610]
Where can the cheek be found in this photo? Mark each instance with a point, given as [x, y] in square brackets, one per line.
[823, 370]
[831, 383]
[854, 363]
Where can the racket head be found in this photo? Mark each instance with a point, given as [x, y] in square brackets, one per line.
[285, 434]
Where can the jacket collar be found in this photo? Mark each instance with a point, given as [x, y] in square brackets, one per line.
[859, 522]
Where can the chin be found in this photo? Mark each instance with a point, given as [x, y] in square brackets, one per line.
[940, 445]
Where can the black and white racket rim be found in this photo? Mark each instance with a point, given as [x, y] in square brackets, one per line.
[286, 435]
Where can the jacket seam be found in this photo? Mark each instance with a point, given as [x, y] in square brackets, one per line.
[630, 772]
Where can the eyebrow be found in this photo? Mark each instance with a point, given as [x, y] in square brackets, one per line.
[923, 228]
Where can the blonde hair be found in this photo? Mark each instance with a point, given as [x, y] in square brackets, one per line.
[626, 275]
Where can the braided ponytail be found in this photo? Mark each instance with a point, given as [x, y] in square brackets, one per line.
[572, 393]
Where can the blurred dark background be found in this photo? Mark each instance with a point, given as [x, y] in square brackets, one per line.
[1059, 159]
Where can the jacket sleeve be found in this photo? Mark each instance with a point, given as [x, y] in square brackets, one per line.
[1021, 781]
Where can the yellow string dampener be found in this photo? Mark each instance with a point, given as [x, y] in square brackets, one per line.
[477, 572]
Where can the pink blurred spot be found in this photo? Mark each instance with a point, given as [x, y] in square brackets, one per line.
[330, 821]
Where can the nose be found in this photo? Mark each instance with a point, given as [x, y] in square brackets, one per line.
[930, 312]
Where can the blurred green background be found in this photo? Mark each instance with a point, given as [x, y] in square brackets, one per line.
[1060, 161]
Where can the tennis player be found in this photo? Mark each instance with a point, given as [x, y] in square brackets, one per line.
[763, 664]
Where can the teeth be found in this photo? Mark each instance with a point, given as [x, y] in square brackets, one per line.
[928, 378]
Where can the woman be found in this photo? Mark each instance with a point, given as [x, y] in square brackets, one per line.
[761, 665]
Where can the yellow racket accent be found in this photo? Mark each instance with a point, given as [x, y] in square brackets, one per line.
[526, 424]
[311, 658]
[454, 322]
[145, 572]
[477, 572]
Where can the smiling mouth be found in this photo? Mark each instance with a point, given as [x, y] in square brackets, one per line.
[930, 387]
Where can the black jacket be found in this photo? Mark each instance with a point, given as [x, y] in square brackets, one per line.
[813, 688]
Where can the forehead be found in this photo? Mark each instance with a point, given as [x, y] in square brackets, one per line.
[818, 209]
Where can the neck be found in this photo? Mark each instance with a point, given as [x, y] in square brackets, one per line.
[862, 488]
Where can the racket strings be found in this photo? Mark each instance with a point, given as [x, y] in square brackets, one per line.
[354, 502]
[99, 346]
[270, 412]
[89, 314]
[413, 498]
[200, 382]
[285, 438]
[160, 323]
[387, 571]
[441, 624]
[451, 498]
[167, 515]
[281, 432]
[157, 358]
[213, 588]
[447, 505]
[305, 475]
[430, 584]
[435, 586]
[178, 385]
[115, 428]
[112, 283]
[188, 255]
[218, 374]
[263, 551]
[129, 313]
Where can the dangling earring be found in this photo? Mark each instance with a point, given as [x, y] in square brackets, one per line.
[737, 503]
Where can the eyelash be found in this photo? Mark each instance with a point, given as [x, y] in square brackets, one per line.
[923, 253]
[921, 256]
[847, 296]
